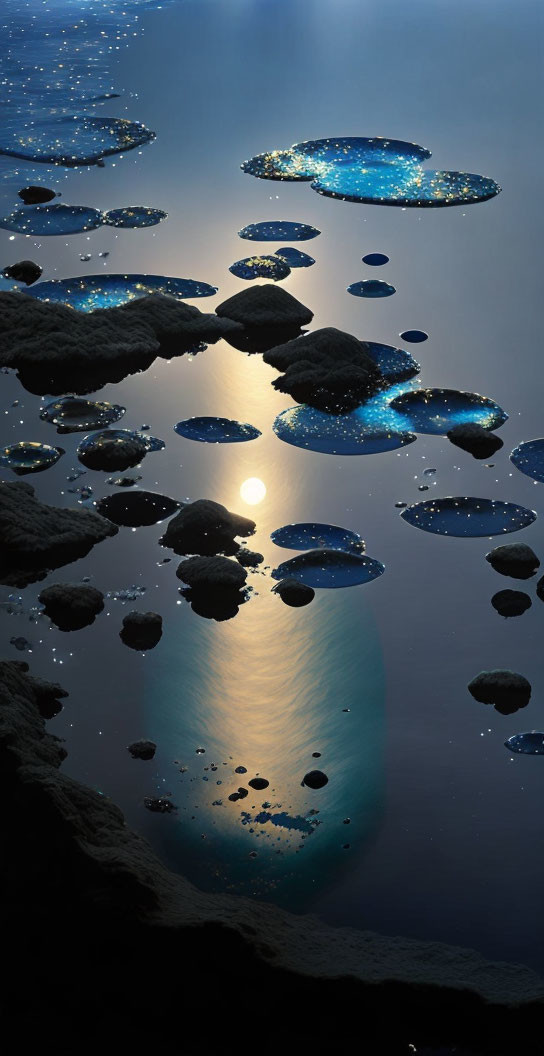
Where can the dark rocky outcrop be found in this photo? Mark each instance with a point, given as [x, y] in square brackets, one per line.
[215, 586]
[293, 592]
[113, 452]
[35, 538]
[96, 908]
[516, 560]
[315, 779]
[506, 690]
[137, 508]
[72, 606]
[265, 306]
[511, 602]
[328, 369]
[141, 630]
[177, 326]
[24, 271]
[205, 527]
[249, 558]
[142, 749]
[471, 437]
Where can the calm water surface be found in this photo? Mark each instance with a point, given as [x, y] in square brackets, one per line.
[445, 825]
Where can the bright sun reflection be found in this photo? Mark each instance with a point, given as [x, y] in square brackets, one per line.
[253, 491]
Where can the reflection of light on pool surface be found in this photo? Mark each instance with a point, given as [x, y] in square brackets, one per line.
[253, 490]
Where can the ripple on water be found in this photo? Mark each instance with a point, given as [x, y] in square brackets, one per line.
[134, 216]
[73, 414]
[54, 219]
[330, 568]
[529, 459]
[87, 292]
[464, 516]
[526, 743]
[371, 288]
[438, 410]
[273, 230]
[29, 457]
[211, 430]
[262, 267]
[313, 536]
[346, 434]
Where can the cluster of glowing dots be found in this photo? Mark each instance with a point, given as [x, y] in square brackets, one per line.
[60, 219]
[371, 170]
[89, 292]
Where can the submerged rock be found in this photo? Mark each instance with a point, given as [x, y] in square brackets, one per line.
[328, 369]
[248, 558]
[212, 573]
[511, 602]
[205, 527]
[371, 288]
[265, 306]
[72, 414]
[293, 592]
[472, 437]
[142, 749]
[215, 586]
[273, 230]
[465, 516]
[212, 430]
[141, 630]
[24, 271]
[294, 258]
[506, 690]
[540, 588]
[330, 568]
[529, 459]
[115, 449]
[35, 538]
[516, 560]
[526, 743]
[258, 783]
[159, 805]
[29, 457]
[34, 195]
[261, 267]
[72, 606]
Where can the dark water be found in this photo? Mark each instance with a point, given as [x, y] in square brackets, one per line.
[445, 830]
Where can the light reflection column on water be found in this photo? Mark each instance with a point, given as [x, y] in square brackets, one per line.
[268, 688]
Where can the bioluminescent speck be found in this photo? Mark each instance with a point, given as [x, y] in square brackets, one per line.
[438, 410]
[210, 430]
[467, 517]
[273, 230]
[330, 568]
[314, 536]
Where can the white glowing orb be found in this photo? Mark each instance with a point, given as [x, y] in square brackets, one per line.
[253, 491]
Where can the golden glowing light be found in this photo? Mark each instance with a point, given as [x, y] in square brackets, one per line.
[253, 491]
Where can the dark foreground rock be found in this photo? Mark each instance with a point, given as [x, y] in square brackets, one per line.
[142, 749]
[23, 271]
[141, 630]
[328, 369]
[215, 586]
[471, 437]
[265, 306]
[516, 560]
[72, 606]
[35, 195]
[511, 602]
[35, 538]
[506, 690]
[206, 527]
[90, 915]
[293, 592]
